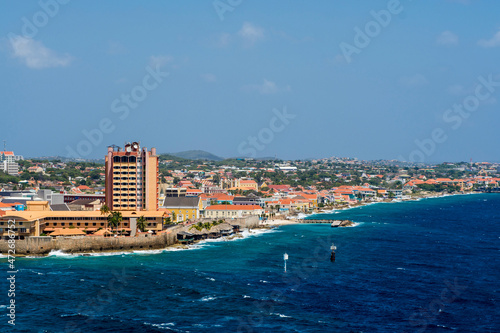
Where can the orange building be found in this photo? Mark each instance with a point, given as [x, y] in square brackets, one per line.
[132, 178]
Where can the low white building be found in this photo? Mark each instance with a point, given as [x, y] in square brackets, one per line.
[232, 211]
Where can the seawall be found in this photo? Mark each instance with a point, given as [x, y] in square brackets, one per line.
[89, 244]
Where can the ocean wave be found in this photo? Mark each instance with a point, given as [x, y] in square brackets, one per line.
[281, 315]
[208, 298]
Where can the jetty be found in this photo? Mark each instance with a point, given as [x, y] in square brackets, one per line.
[334, 223]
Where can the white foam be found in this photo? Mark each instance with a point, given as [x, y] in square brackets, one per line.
[61, 254]
[207, 298]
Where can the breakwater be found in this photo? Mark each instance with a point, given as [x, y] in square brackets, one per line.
[90, 244]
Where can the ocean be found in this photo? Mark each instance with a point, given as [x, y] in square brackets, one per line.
[423, 266]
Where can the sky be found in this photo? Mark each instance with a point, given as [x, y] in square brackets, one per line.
[413, 80]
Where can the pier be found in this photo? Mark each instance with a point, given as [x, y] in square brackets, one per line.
[316, 221]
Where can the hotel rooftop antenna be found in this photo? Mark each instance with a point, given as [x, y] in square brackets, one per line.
[4, 145]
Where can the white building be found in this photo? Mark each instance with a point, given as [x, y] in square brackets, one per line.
[8, 162]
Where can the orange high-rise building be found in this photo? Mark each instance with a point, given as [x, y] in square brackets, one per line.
[132, 178]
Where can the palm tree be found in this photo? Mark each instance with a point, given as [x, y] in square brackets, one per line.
[141, 223]
[114, 219]
[104, 209]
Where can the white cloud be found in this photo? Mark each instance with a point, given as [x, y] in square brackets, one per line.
[414, 81]
[447, 38]
[209, 77]
[251, 33]
[160, 61]
[266, 88]
[35, 55]
[493, 42]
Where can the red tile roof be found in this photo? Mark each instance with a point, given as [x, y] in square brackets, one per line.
[233, 207]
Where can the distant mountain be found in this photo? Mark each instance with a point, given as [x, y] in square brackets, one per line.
[197, 155]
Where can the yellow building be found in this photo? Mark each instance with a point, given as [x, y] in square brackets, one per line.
[244, 185]
[183, 208]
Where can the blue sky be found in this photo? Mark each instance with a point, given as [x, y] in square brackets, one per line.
[253, 78]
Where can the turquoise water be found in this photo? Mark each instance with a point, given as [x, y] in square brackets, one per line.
[426, 266]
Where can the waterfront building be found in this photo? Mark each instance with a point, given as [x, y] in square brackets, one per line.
[131, 178]
[232, 211]
[185, 208]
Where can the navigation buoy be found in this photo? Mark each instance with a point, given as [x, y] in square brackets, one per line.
[332, 256]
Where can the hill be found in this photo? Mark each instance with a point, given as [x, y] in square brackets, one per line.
[197, 155]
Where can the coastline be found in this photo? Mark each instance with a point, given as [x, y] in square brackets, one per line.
[297, 219]
[263, 227]
[246, 233]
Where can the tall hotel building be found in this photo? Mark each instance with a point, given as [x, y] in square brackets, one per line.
[132, 178]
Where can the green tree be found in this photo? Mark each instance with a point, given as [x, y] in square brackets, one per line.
[104, 209]
[141, 223]
[114, 219]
